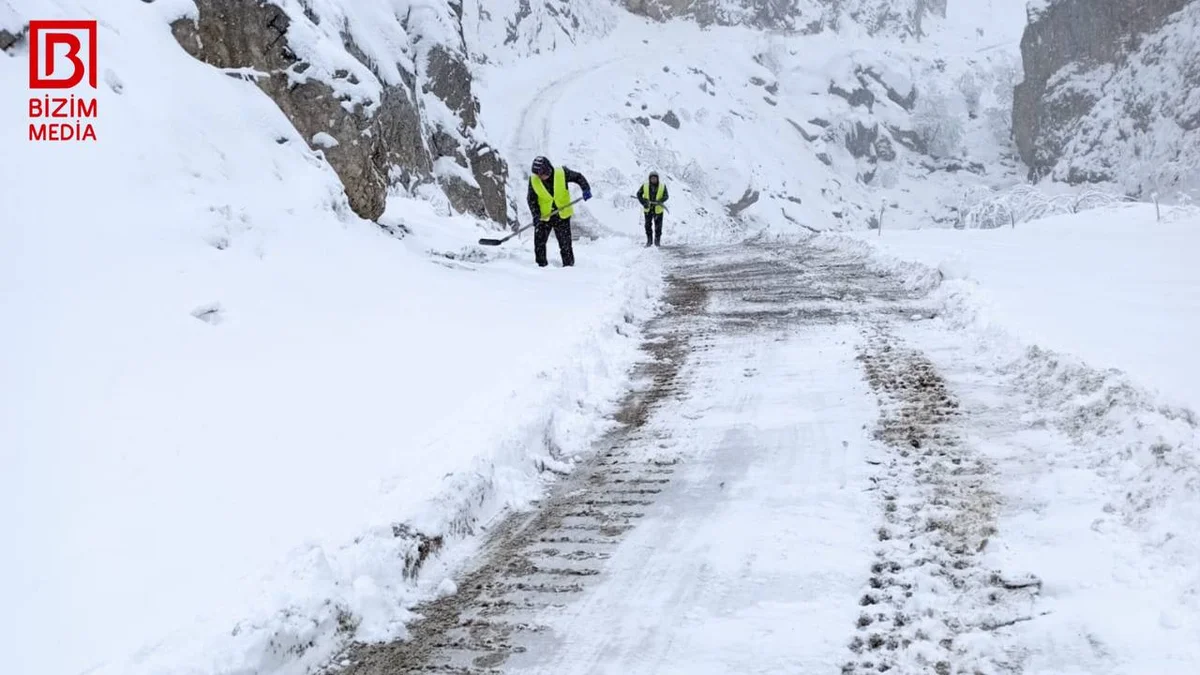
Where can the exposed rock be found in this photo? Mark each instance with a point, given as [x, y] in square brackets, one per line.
[952, 166]
[909, 139]
[825, 159]
[670, 119]
[1070, 49]
[644, 121]
[897, 17]
[859, 97]
[776, 14]
[749, 198]
[860, 140]
[446, 76]
[379, 141]
[9, 40]
[807, 136]
[884, 149]
[904, 100]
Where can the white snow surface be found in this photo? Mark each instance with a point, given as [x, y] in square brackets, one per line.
[1068, 342]
[1097, 484]
[1113, 286]
[224, 393]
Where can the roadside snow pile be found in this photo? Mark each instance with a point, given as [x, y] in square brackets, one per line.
[236, 418]
[1113, 286]
[1100, 491]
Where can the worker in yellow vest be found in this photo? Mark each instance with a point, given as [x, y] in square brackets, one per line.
[652, 195]
[547, 192]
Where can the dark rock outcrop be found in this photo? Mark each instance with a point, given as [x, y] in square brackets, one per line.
[9, 40]
[896, 17]
[860, 140]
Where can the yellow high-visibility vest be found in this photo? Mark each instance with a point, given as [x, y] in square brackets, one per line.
[646, 195]
[560, 198]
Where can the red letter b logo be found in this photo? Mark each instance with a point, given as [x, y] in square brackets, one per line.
[57, 55]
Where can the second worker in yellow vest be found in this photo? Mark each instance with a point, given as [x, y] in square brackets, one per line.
[652, 195]
[548, 199]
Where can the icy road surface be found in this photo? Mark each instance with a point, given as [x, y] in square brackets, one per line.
[797, 488]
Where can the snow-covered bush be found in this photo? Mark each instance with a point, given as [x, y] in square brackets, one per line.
[987, 209]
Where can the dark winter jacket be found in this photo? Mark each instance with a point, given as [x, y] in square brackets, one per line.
[571, 176]
[646, 202]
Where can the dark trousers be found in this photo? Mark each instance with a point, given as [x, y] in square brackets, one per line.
[653, 228]
[562, 232]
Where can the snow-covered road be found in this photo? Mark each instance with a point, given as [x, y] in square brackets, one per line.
[818, 474]
[735, 523]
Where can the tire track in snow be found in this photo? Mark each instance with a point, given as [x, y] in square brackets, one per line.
[532, 136]
[547, 593]
[541, 560]
[929, 603]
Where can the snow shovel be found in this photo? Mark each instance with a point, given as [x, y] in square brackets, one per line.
[497, 242]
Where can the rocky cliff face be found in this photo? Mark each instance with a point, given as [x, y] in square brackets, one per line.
[402, 116]
[900, 17]
[531, 26]
[1111, 92]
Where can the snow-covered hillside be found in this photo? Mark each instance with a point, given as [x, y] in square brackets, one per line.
[757, 130]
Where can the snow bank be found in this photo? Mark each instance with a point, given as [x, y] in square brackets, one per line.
[1099, 490]
[1071, 349]
[1113, 286]
[235, 417]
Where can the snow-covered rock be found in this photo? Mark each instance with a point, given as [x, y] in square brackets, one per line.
[1112, 95]
[898, 17]
[388, 81]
